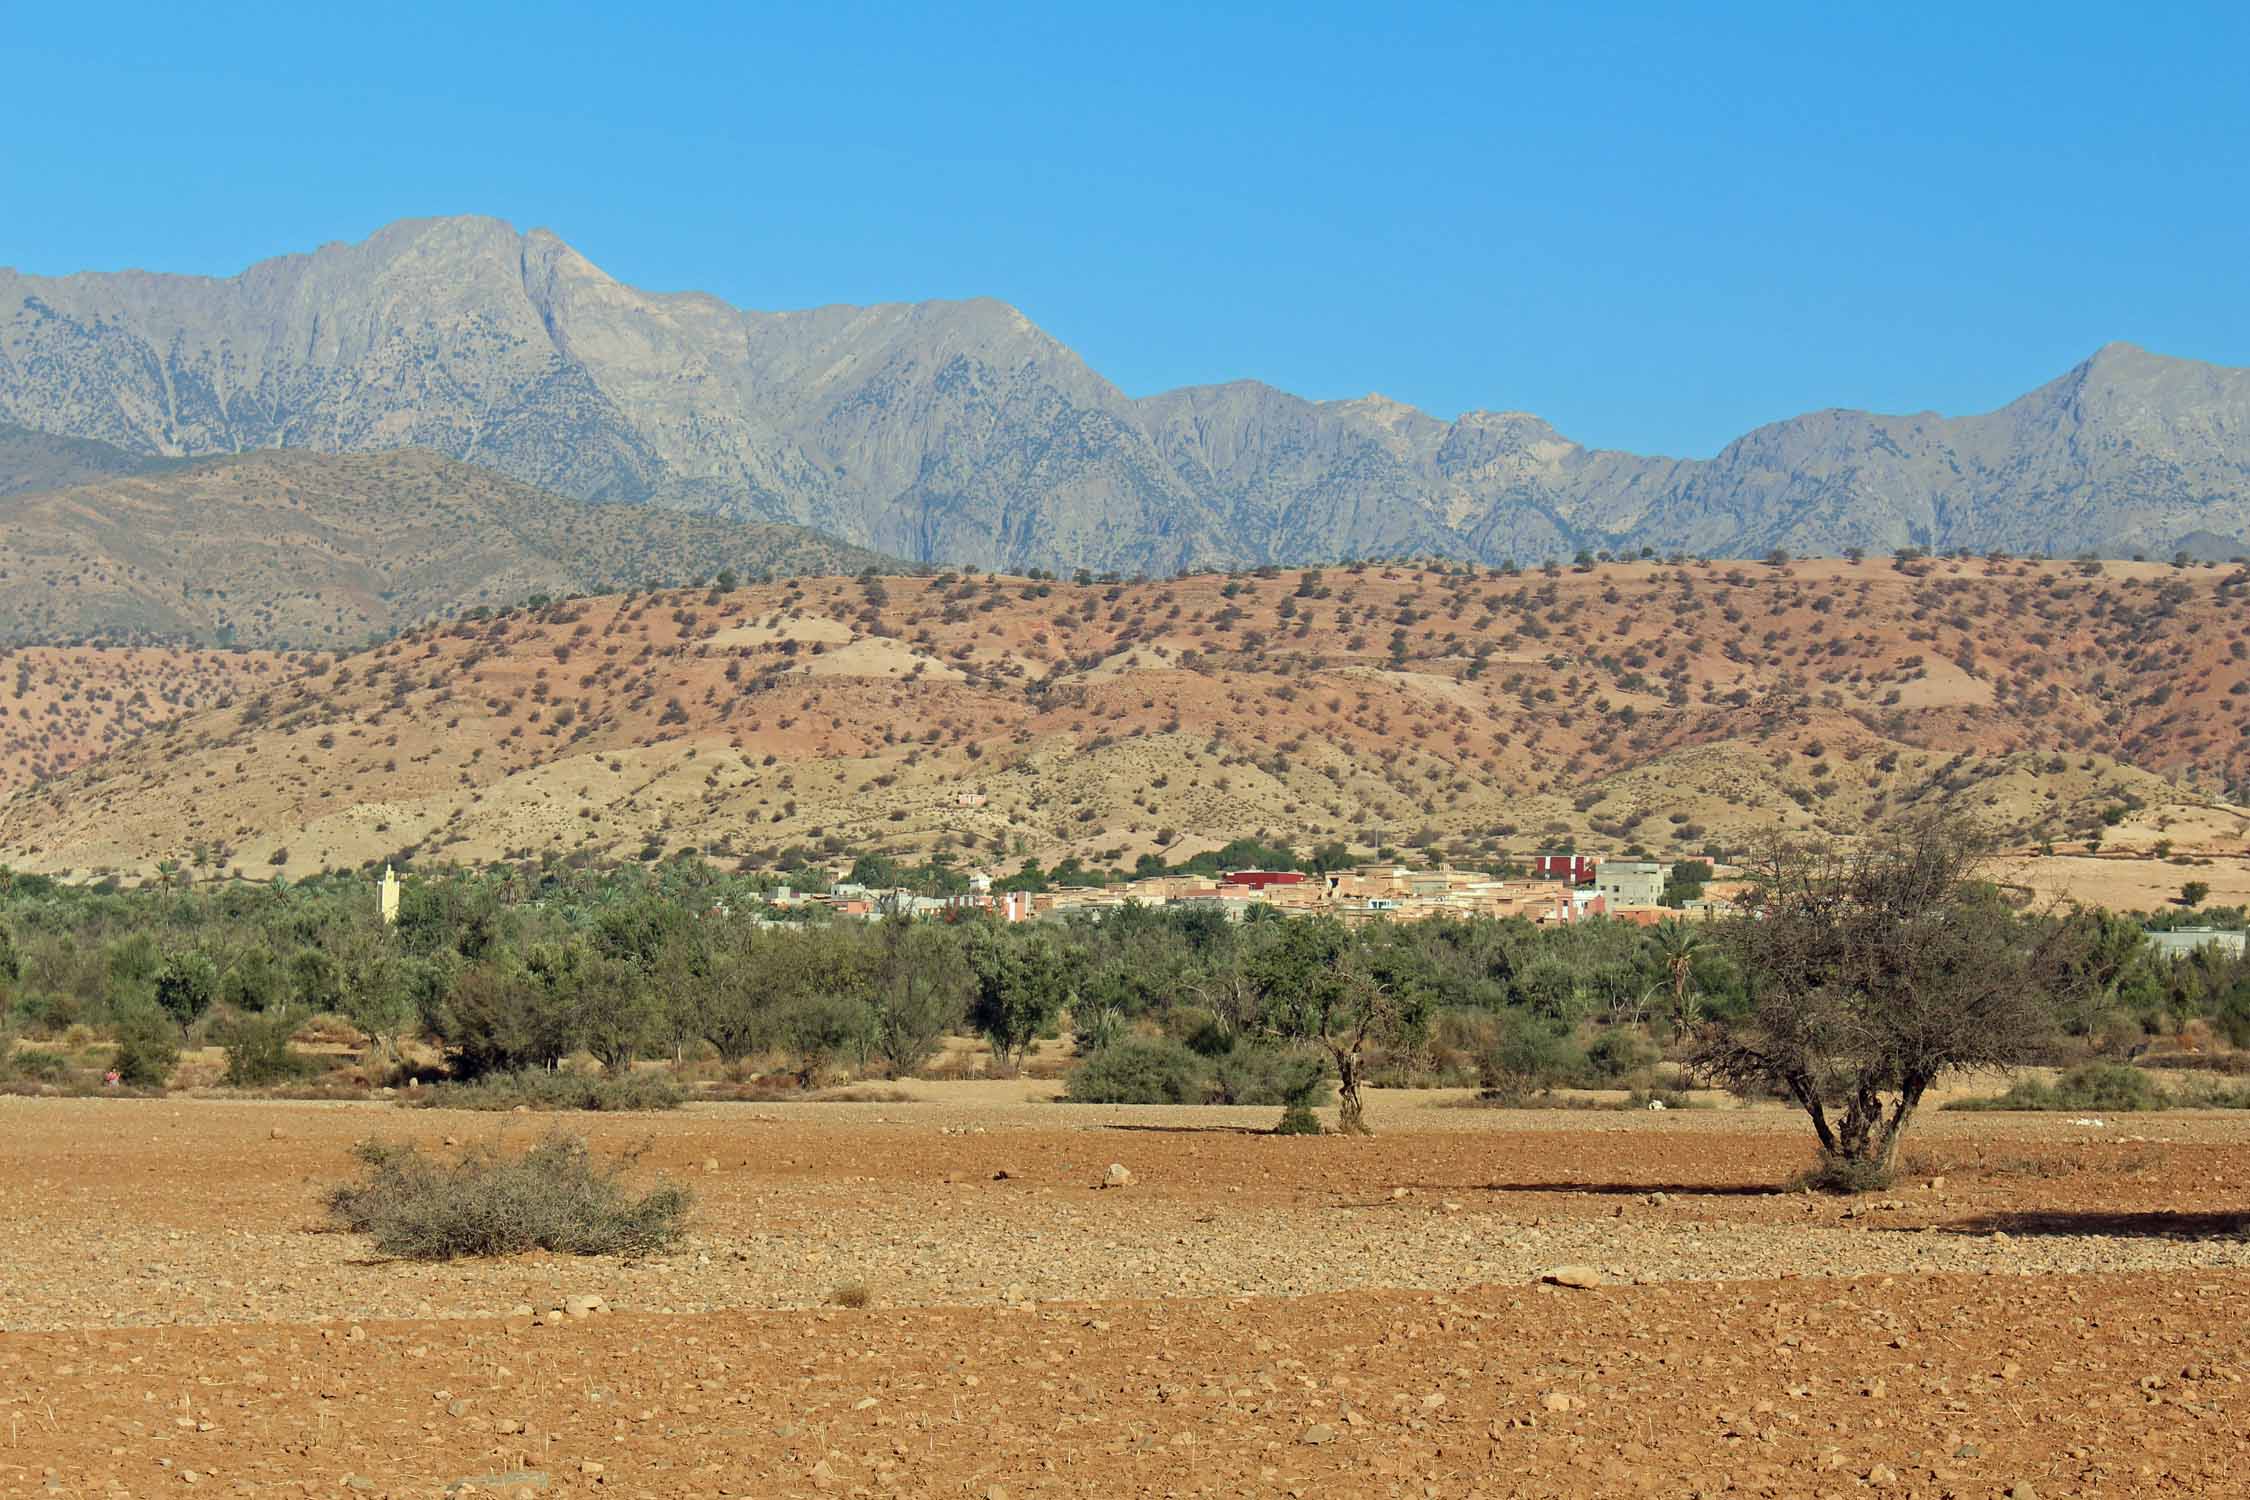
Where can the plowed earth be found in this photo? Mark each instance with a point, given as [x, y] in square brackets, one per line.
[2064, 1314]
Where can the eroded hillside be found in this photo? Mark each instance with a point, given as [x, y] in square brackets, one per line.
[1669, 705]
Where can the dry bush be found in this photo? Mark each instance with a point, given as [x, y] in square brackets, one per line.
[553, 1197]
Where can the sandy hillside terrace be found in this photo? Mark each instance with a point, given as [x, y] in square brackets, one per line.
[2044, 1309]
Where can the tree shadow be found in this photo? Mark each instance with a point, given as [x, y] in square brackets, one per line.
[1636, 1189]
[1187, 1129]
[2162, 1224]
[1607, 1189]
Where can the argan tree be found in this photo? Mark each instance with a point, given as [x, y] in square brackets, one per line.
[1876, 966]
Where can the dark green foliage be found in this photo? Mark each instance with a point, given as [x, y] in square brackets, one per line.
[1618, 1053]
[148, 1048]
[186, 984]
[1529, 1056]
[34, 1063]
[1023, 982]
[1140, 1070]
[1251, 1074]
[554, 1197]
[2106, 1088]
[259, 1055]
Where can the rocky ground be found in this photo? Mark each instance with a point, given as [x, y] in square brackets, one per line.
[2042, 1308]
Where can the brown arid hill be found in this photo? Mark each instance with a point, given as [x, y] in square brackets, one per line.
[295, 549]
[1455, 711]
[61, 706]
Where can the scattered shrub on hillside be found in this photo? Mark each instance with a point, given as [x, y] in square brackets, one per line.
[259, 1055]
[1140, 1070]
[536, 1089]
[553, 1197]
[148, 1048]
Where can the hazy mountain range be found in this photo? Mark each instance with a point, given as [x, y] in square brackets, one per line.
[959, 432]
[294, 549]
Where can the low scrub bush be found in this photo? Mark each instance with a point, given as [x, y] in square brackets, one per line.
[1843, 1174]
[553, 1197]
[1617, 1054]
[540, 1090]
[2112, 1088]
[148, 1048]
[36, 1064]
[1529, 1056]
[1141, 1070]
[259, 1055]
[1290, 1077]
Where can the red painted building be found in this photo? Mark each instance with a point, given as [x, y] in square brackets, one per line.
[1578, 869]
[1258, 880]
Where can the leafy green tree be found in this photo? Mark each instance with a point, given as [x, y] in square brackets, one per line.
[315, 981]
[504, 1014]
[186, 984]
[919, 984]
[1875, 968]
[1023, 983]
[2193, 893]
[148, 1047]
[617, 1010]
[253, 980]
[1311, 983]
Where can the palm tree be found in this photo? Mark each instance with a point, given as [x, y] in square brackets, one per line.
[1678, 946]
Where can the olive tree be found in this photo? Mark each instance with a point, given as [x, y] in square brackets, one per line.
[1307, 981]
[1023, 983]
[1877, 965]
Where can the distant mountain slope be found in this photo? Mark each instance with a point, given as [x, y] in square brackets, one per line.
[31, 461]
[62, 706]
[306, 549]
[1414, 708]
[959, 432]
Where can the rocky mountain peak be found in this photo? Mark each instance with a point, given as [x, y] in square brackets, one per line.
[960, 431]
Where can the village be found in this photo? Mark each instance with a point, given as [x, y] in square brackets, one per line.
[1560, 888]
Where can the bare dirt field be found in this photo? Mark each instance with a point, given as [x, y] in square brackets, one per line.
[2044, 1308]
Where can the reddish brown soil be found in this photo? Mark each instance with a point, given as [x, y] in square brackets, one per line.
[313, 1372]
[1630, 702]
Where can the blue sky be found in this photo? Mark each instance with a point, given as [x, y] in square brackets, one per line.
[1656, 226]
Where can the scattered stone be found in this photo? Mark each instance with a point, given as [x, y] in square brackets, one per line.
[710, 1164]
[511, 1482]
[1584, 1278]
[1561, 1401]
[1319, 1433]
[2022, 1490]
[1117, 1176]
[584, 1305]
[1882, 1474]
